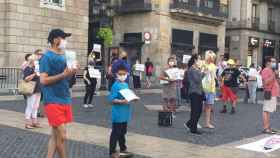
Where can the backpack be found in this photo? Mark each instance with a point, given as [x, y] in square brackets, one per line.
[150, 69]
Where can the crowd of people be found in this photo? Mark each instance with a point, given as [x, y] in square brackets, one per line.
[201, 82]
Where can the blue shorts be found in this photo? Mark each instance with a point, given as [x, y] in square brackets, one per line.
[210, 98]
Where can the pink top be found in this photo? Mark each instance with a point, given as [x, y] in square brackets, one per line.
[272, 86]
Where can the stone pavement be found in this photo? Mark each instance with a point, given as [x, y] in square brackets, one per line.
[90, 132]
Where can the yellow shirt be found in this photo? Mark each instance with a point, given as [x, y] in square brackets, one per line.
[208, 82]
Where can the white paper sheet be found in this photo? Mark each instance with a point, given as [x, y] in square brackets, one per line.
[140, 67]
[71, 59]
[175, 74]
[94, 73]
[129, 95]
[259, 145]
[186, 58]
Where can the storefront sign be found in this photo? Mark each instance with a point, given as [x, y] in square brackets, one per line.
[268, 43]
[147, 37]
[253, 42]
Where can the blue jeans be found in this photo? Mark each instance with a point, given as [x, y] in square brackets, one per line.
[252, 86]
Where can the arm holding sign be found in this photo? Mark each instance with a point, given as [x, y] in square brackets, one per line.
[85, 76]
[114, 97]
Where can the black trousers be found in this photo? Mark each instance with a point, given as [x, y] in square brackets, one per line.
[90, 90]
[196, 110]
[118, 133]
[136, 82]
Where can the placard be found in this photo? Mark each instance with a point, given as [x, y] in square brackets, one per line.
[94, 73]
[175, 74]
[71, 59]
[96, 48]
[186, 58]
[129, 95]
[140, 67]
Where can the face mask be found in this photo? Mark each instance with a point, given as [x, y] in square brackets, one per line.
[124, 58]
[273, 65]
[62, 44]
[122, 78]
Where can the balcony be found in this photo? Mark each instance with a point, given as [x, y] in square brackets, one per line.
[253, 24]
[192, 7]
[256, 23]
[133, 6]
[271, 26]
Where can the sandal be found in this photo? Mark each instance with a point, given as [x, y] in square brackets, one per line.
[27, 126]
[37, 125]
[268, 131]
[210, 127]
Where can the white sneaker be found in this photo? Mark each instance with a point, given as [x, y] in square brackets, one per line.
[90, 105]
[85, 106]
[199, 126]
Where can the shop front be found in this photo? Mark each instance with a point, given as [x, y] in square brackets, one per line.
[268, 49]
[182, 43]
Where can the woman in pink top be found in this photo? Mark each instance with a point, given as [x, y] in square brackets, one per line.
[271, 87]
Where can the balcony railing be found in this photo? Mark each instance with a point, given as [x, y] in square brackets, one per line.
[271, 26]
[133, 6]
[253, 24]
[218, 10]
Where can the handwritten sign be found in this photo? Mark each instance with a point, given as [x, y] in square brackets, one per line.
[140, 67]
[71, 59]
[94, 73]
[129, 95]
[186, 58]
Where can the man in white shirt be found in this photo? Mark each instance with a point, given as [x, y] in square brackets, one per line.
[252, 83]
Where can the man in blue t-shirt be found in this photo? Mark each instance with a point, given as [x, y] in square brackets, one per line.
[54, 76]
[121, 113]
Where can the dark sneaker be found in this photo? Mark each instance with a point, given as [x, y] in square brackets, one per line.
[196, 132]
[125, 154]
[187, 127]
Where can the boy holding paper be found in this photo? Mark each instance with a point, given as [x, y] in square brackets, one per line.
[121, 113]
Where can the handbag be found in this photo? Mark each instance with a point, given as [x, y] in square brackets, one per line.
[267, 95]
[165, 119]
[26, 88]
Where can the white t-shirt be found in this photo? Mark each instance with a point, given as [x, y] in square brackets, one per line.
[253, 73]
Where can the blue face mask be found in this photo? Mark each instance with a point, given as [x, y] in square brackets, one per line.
[273, 65]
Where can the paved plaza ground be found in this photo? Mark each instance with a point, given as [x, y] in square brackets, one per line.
[89, 134]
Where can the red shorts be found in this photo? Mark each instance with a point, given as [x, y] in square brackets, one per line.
[228, 94]
[58, 114]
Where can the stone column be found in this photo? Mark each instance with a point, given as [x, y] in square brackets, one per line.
[196, 41]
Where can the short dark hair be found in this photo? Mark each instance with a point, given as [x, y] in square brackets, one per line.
[268, 59]
[252, 65]
[27, 56]
[192, 60]
[122, 67]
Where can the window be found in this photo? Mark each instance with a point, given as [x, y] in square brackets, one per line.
[209, 3]
[254, 10]
[53, 4]
[270, 14]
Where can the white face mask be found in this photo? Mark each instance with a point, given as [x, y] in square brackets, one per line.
[122, 78]
[62, 44]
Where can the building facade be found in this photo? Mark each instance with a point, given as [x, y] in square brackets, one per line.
[159, 28]
[25, 24]
[253, 30]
